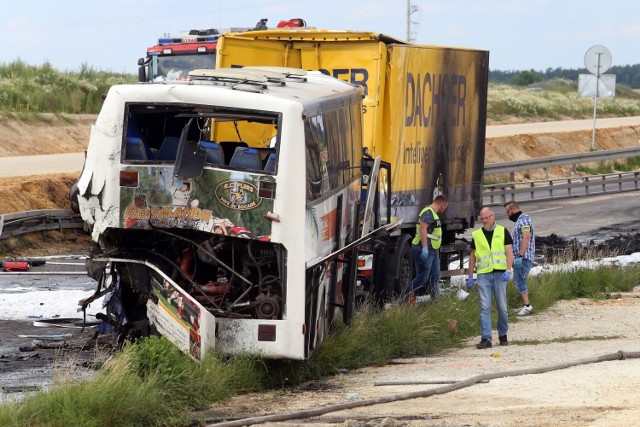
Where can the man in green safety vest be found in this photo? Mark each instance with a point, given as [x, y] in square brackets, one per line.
[492, 258]
[425, 249]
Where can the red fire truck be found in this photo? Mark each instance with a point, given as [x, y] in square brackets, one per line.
[173, 57]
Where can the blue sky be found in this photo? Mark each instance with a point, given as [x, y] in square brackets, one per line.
[520, 34]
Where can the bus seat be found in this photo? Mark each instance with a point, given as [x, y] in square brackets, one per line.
[169, 148]
[246, 158]
[215, 155]
[270, 166]
[136, 149]
[229, 147]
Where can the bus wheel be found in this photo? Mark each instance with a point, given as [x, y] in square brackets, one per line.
[321, 323]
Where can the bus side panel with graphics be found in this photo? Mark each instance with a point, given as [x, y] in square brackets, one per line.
[424, 114]
[235, 245]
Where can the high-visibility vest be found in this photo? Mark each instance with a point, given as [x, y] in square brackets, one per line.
[489, 258]
[436, 235]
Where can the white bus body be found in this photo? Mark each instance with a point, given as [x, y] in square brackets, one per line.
[218, 206]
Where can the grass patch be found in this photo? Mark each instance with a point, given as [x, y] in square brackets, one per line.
[623, 165]
[496, 179]
[629, 164]
[153, 383]
[602, 168]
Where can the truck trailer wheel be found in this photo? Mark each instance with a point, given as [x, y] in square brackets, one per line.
[73, 198]
[404, 265]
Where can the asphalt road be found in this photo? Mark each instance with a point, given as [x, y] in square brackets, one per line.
[560, 126]
[41, 164]
[586, 218]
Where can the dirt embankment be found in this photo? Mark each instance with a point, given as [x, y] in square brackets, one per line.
[52, 134]
[531, 146]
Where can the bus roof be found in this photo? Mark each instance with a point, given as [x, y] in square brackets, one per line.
[211, 87]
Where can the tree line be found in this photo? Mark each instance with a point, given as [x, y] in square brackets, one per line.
[628, 75]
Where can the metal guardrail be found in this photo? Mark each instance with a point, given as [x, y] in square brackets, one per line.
[593, 185]
[562, 160]
[14, 224]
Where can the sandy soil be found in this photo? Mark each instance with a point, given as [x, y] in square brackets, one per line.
[598, 394]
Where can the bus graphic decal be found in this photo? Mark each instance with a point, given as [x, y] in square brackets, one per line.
[238, 195]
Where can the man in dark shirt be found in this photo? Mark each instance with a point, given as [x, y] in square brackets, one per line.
[425, 250]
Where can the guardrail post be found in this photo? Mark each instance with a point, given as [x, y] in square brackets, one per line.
[586, 187]
[635, 180]
[620, 183]
[604, 184]
[532, 193]
[551, 188]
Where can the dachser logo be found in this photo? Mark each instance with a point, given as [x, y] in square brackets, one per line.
[238, 195]
[430, 95]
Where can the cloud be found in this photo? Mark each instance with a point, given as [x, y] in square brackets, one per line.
[22, 28]
[631, 30]
[608, 32]
[375, 10]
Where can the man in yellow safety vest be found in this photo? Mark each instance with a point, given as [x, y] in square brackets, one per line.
[492, 258]
[425, 249]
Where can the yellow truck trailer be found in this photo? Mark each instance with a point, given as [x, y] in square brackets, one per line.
[424, 113]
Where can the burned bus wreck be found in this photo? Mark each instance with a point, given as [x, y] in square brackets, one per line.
[225, 208]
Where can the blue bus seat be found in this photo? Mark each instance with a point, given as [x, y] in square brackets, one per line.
[215, 155]
[270, 166]
[169, 148]
[246, 158]
[136, 149]
[229, 147]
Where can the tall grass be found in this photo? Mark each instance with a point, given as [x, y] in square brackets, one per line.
[553, 104]
[624, 165]
[37, 89]
[41, 88]
[152, 383]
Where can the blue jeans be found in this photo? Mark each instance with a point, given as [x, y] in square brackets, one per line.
[520, 275]
[489, 283]
[427, 273]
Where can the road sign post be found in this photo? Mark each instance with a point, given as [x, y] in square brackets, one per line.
[597, 60]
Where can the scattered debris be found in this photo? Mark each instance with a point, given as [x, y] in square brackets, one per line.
[55, 337]
[553, 247]
[19, 388]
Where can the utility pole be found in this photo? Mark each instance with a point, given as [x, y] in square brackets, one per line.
[411, 9]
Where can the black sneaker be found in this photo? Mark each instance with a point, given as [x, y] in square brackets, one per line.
[503, 340]
[485, 343]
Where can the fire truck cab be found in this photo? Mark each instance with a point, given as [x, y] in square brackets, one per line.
[173, 57]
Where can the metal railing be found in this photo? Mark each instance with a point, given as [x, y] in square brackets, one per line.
[562, 160]
[498, 194]
[14, 224]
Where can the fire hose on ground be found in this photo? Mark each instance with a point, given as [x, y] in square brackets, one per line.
[620, 355]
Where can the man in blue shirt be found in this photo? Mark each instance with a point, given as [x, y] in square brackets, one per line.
[524, 247]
